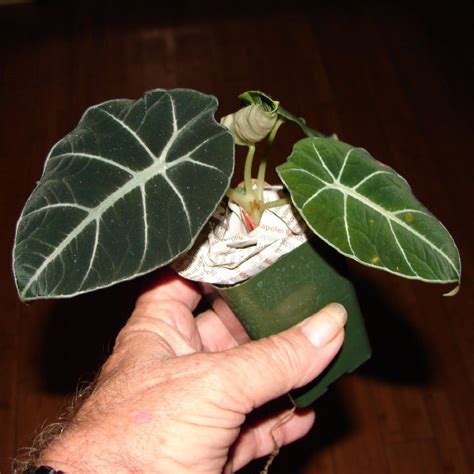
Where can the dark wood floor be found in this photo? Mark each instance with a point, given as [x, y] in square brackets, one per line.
[397, 80]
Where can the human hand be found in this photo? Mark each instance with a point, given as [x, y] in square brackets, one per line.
[174, 395]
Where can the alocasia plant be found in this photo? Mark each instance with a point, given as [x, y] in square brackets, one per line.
[132, 186]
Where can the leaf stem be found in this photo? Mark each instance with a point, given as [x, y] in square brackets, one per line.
[288, 116]
[248, 170]
[277, 203]
[262, 167]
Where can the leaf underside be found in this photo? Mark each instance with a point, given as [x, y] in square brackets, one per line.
[127, 191]
[367, 211]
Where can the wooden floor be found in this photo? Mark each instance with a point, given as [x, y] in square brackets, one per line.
[397, 80]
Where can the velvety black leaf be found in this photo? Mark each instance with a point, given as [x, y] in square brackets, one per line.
[127, 191]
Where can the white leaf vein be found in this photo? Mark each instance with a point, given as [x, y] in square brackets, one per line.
[346, 158]
[132, 132]
[158, 167]
[182, 201]
[145, 224]
[55, 206]
[391, 216]
[323, 162]
[370, 176]
[402, 251]
[346, 226]
[93, 253]
[95, 157]
[313, 196]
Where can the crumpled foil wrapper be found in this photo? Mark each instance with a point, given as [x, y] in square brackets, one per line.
[227, 252]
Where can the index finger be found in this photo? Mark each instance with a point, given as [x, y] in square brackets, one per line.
[164, 311]
[169, 286]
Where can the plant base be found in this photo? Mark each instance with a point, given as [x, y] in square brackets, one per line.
[296, 286]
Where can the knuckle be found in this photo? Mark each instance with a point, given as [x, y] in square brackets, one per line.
[173, 312]
[288, 359]
[285, 352]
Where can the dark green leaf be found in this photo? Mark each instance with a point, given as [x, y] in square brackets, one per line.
[125, 192]
[367, 211]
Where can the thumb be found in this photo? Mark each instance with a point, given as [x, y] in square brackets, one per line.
[268, 368]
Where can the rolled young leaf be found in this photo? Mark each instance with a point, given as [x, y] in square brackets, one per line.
[127, 191]
[367, 211]
[270, 105]
[261, 99]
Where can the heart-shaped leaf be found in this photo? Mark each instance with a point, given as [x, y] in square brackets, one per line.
[125, 192]
[367, 211]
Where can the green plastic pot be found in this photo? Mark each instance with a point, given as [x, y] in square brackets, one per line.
[294, 287]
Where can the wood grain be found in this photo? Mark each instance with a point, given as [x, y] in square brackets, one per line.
[395, 79]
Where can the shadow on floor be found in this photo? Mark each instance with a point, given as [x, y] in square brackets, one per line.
[400, 354]
[333, 424]
[80, 334]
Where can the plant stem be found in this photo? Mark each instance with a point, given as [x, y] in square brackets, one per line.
[248, 171]
[310, 132]
[238, 198]
[276, 203]
[262, 168]
[250, 200]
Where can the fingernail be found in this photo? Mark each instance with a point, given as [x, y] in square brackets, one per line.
[324, 326]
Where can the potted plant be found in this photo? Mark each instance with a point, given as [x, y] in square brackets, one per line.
[135, 186]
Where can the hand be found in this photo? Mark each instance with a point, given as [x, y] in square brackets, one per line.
[174, 395]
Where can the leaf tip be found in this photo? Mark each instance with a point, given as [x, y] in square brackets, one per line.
[453, 292]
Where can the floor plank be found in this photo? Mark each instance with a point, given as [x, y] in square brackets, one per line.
[384, 76]
[417, 457]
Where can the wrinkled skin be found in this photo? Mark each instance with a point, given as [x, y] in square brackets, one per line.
[176, 391]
